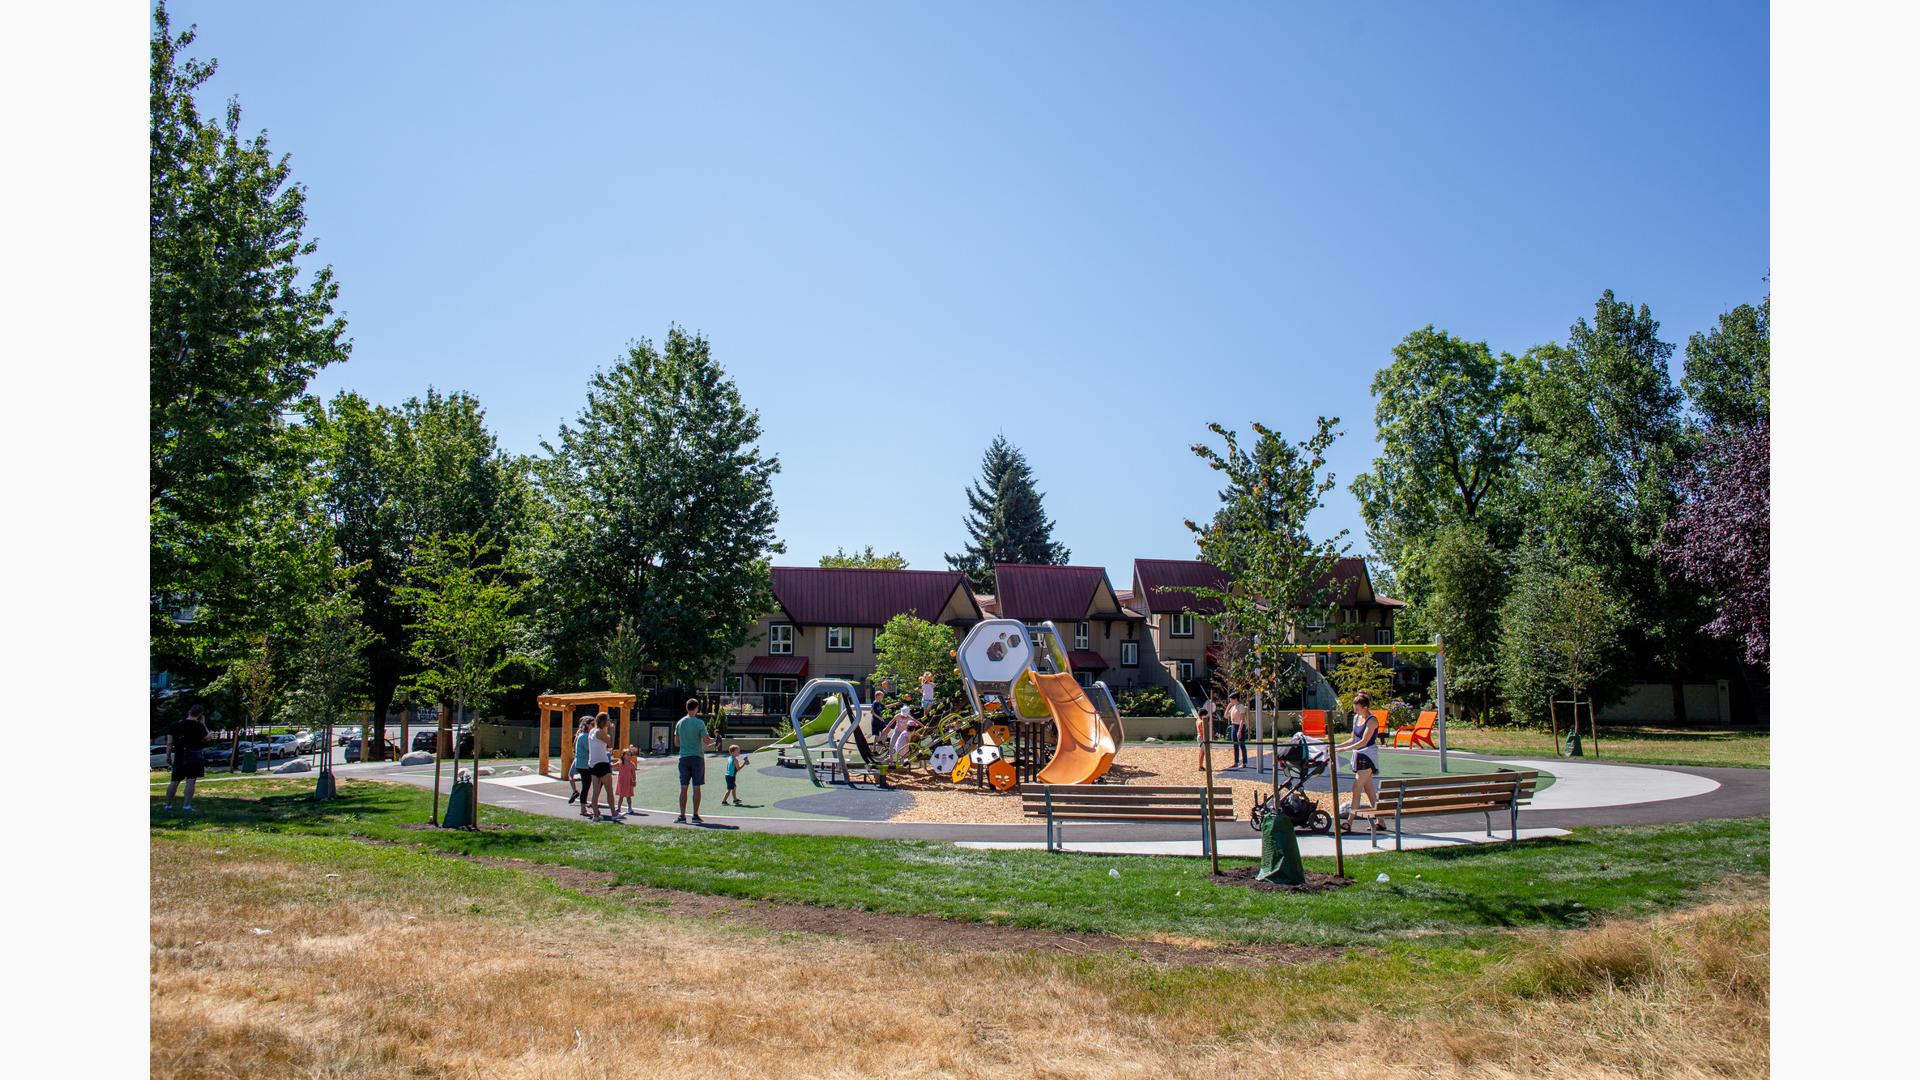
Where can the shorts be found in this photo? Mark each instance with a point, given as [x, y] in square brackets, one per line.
[1363, 760]
[693, 770]
[730, 779]
[602, 769]
[188, 765]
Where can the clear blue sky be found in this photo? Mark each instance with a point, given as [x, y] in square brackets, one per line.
[1092, 227]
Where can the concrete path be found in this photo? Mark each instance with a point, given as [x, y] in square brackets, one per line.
[1679, 794]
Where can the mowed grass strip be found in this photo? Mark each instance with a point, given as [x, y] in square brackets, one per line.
[290, 954]
[1635, 745]
[1552, 883]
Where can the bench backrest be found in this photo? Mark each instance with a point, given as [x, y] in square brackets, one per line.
[1126, 803]
[1462, 791]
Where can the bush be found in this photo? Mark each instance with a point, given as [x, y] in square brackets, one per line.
[1146, 701]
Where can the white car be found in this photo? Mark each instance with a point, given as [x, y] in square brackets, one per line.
[303, 743]
[157, 757]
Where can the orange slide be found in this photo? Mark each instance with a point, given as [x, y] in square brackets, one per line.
[1084, 750]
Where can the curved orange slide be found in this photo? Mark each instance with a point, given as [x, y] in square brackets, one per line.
[1084, 750]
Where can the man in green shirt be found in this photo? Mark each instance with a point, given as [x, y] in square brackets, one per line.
[691, 734]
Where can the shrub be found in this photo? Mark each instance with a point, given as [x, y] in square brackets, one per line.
[1146, 701]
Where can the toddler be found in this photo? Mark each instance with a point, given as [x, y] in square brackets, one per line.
[735, 759]
[623, 780]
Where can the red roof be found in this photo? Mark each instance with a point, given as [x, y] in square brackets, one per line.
[1086, 660]
[1344, 584]
[1033, 593]
[837, 596]
[1164, 585]
[790, 666]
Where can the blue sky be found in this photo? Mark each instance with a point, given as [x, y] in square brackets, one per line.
[1095, 228]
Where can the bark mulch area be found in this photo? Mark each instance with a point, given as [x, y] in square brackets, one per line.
[883, 928]
[1243, 876]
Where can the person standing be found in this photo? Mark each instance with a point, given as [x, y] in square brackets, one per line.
[926, 693]
[582, 761]
[691, 731]
[186, 738]
[1203, 732]
[1237, 724]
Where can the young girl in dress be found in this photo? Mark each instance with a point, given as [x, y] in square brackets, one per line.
[623, 780]
[902, 728]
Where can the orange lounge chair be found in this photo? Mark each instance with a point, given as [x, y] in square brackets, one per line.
[1314, 723]
[1420, 734]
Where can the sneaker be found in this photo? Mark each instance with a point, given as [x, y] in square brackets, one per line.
[188, 808]
[682, 820]
[697, 821]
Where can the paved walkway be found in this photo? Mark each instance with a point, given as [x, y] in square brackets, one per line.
[1673, 794]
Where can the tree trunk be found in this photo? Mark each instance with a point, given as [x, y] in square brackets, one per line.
[382, 701]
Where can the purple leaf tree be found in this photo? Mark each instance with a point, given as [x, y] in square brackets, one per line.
[1721, 538]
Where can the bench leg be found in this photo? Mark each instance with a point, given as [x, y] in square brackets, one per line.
[1513, 823]
[1488, 814]
[1396, 828]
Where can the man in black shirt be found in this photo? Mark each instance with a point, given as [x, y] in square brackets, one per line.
[187, 738]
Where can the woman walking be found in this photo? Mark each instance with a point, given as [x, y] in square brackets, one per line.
[600, 765]
[582, 770]
[1366, 757]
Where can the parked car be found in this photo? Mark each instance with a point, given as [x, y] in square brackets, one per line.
[303, 742]
[353, 749]
[279, 746]
[423, 740]
[157, 756]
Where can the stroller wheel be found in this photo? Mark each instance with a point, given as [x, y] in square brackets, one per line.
[1321, 822]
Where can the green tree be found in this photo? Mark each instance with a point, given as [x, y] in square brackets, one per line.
[235, 332]
[252, 680]
[1605, 438]
[1560, 633]
[331, 663]
[464, 635]
[868, 559]
[1278, 575]
[1005, 523]
[1360, 672]
[398, 477]
[625, 658]
[1467, 579]
[658, 510]
[1727, 368]
[1449, 437]
[907, 646]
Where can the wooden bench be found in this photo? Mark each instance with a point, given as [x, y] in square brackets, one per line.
[1061, 803]
[1462, 793]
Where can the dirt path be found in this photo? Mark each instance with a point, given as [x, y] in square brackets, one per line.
[875, 927]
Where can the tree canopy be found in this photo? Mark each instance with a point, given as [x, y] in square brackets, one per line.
[1721, 537]
[236, 331]
[1005, 522]
[657, 510]
[1728, 367]
[864, 560]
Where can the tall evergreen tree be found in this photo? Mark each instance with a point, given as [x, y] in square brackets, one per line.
[236, 330]
[1005, 523]
[658, 514]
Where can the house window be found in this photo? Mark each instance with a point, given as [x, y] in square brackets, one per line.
[780, 639]
[1317, 620]
[1383, 636]
[774, 686]
[1180, 625]
[1129, 654]
[839, 639]
[1084, 678]
[1350, 616]
[1081, 631]
[1186, 670]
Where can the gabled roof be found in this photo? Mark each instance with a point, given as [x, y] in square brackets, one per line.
[840, 596]
[1062, 593]
[1160, 586]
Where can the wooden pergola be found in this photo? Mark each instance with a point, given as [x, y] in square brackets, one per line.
[562, 708]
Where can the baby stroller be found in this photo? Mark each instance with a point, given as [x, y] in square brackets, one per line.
[1300, 761]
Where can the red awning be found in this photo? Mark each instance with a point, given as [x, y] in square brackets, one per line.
[789, 667]
[1086, 660]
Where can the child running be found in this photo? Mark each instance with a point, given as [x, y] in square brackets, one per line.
[735, 759]
[623, 780]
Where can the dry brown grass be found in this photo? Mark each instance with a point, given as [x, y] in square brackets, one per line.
[403, 971]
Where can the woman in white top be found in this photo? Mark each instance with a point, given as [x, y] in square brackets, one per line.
[600, 764]
[1366, 756]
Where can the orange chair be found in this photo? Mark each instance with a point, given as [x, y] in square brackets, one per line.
[1420, 734]
[1314, 723]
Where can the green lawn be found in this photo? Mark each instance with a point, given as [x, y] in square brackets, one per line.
[1641, 745]
[1551, 883]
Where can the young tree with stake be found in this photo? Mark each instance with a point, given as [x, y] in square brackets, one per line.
[466, 634]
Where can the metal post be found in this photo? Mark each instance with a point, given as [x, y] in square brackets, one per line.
[1333, 772]
[1259, 721]
[1440, 699]
[1206, 801]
